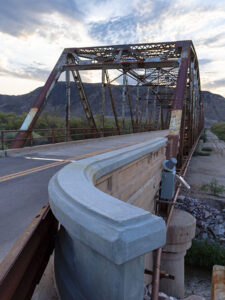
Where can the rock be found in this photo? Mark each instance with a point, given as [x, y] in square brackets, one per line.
[204, 236]
[219, 230]
[145, 290]
[150, 289]
[181, 197]
[194, 297]
[207, 214]
[163, 296]
[210, 220]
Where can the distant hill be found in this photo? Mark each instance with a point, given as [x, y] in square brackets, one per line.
[214, 104]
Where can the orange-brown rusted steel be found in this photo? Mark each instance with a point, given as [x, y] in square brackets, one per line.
[159, 67]
[218, 283]
[22, 268]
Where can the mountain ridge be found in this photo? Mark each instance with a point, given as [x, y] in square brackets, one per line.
[214, 104]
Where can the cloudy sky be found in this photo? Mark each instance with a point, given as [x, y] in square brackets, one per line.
[33, 34]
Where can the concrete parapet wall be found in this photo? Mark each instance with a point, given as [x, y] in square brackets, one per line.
[136, 182]
[102, 242]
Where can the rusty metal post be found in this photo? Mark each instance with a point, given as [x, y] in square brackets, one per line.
[176, 114]
[53, 136]
[2, 139]
[146, 110]
[112, 101]
[137, 104]
[130, 105]
[35, 111]
[103, 105]
[123, 100]
[31, 138]
[67, 105]
[84, 101]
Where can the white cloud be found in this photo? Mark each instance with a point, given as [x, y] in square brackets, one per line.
[31, 46]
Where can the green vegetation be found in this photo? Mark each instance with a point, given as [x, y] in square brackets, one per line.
[213, 187]
[204, 136]
[80, 128]
[205, 254]
[199, 153]
[219, 130]
[208, 149]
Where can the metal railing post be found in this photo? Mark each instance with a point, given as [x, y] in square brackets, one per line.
[53, 136]
[2, 139]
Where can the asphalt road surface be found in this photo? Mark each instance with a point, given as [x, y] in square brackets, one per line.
[24, 179]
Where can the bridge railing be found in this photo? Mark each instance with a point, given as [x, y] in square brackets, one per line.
[57, 135]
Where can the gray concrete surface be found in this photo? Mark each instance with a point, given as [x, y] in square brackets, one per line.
[102, 240]
[22, 196]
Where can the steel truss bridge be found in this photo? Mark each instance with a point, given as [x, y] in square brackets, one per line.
[169, 73]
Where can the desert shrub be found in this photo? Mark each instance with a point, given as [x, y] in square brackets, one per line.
[219, 130]
[208, 149]
[204, 136]
[213, 187]
[199, 153]
[205, 254]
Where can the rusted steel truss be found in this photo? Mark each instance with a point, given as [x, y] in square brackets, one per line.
[167, 82]
[24, 265]
[166, 78]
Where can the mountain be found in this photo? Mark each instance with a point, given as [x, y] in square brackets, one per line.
[214, 105]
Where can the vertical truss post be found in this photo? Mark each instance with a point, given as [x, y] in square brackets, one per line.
[146, 109]
[84, 100]
[130, 105]
[176, 114]
[161, 116]
[112, 101]
[67, 105]
[123, 100]
[41, 99]
[103, 103]
[141, 115]
[137, 104]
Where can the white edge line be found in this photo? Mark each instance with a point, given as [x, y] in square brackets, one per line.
[49, 159]
[42, 158]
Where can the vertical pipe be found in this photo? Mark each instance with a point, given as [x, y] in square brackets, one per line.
[103, 103]
[123, 100]
[67, 105]
[156, 274]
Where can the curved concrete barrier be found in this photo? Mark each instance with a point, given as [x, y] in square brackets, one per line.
[102, 241]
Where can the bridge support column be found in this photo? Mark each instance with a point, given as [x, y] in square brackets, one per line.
[179, 236]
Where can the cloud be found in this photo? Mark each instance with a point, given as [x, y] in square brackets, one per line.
[204, 61]
[213, 40]
[26, 72]
[215, 84]
[115, 31]
[25, 16]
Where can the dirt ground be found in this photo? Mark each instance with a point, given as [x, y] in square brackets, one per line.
[203, 169]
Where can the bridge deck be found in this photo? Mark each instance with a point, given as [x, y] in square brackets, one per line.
[77, 148]
[24, 182]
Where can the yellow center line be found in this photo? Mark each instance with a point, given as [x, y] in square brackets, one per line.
[51, 165]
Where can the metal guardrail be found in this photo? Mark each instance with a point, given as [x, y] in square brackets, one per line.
[55, 135]
[24, 265]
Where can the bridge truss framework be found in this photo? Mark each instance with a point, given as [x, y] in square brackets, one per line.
[170, 74]
[168, 71]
